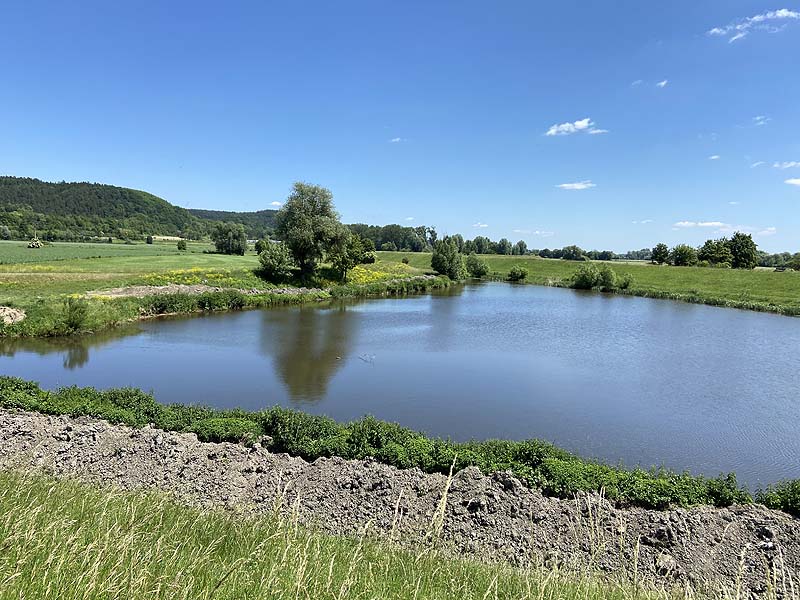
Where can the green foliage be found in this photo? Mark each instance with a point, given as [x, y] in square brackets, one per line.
[346, 251]
[586, 277]
[783, 496]
[683, 255]
[229, 238]
[476, 267]
[573, 253]
[149, 239]
[743, 250]
[227, 429]
[447, 260]
[660, 254]
[589, 277]
[257, 225]
[181, 245]
[276, 262]
[715, 253]
[538, 463]
[75, 311]
[396, 237]
[307, 223]
[260, 246]
[517, 273]
[504, 247]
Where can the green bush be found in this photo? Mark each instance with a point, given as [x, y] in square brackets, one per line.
[181, 245]
[589, 277]
[75, 311]
[537, 463]
[227, 429]
[586, 277]
[477, 267]
[276, 262]
[517, 274]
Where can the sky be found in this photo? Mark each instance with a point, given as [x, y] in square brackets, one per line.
[611, 125]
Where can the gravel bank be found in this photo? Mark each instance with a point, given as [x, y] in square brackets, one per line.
[494, 517]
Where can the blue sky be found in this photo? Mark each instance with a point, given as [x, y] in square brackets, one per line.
[425, 112]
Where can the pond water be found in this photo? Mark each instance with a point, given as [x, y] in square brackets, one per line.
[617, 378]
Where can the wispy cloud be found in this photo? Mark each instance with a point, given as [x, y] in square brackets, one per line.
[760, 120]
[768, 231]
[662, 84]
[276, 203]
[581, 126]
[741, 28]
[397, 140]
[725, 228]
[642, 222]
[714, 157]
[734, 203]
[544, 233]
[520, 231]
[637, 82]
[578, 185]
[409, 218]
[480, 225]
[759, 163]
[793, 181]
[691, 224]
[788, 164]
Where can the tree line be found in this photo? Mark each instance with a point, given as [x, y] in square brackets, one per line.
[737, 252]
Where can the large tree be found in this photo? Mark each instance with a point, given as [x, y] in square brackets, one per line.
[716, 252]
[660, 254]
[743, 251]
[683, 255]
[307, 223]
[229, 238]
[447, 260]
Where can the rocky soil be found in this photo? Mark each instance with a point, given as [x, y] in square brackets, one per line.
[492, 517]
[9, 315]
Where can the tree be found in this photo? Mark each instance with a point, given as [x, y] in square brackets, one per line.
[5, 233]
[347, 250]
[716, 252]
[229, 238]
[482, 244]
[149, 239]
[181, 245]
[476, 267]
[504, 246]
[606, 255]
[447, 260]
[683, 255]
[573, 253]
[660, 254]
[276, 262]
[260, 246]
[459, 240]
[307, 223]
[517, 273]
[743, 251]
[520, 248]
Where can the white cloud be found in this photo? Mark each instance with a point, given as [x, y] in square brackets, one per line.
[578, 185]
[521, 231]
[642, 222]
[544, 233]
[793, 182]
[396, 140]
[714, 157]
[789, 164]
[690, 224]
[637, 82]
[581, 126]
[759, 163]
[760, 120]
[276, 204]
[767, 231]
[409, 218]
[480, 225]
[734, 203]
[662, 84]
[762, 22]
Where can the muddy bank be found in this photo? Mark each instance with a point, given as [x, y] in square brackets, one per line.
[494, 517]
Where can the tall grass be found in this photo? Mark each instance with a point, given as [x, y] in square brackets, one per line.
[62, 540]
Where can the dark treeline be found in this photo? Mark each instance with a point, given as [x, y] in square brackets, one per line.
[257, 225]
[397, 237]
[737, 252]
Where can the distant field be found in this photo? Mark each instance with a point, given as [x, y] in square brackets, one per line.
[713, 286]
[18, 252]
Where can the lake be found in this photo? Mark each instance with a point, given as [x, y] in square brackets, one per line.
[618, 378]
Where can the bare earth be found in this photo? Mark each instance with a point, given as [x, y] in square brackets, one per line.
[492, 517]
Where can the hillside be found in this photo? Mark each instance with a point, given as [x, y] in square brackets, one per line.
[257, 224]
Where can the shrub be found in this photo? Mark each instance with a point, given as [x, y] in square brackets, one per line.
[476, 266]
[181, 245]
[517, 274]
[405, 260]
[260, 246]
[227, 429]
[149, 239]
[783, 496]
[447, 260]
[586, 277]
[276, 262]
[607, 279]
[75, 311]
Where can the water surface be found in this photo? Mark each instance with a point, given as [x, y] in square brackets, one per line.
[617, 378]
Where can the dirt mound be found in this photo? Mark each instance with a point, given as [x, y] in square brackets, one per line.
[9, 315]
[142, 291]
[492, 517]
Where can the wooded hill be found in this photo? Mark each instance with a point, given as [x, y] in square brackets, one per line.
[80, 211]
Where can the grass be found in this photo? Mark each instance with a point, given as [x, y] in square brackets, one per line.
[539, 464]
[62, 540]
[760, 289]
[46, 283]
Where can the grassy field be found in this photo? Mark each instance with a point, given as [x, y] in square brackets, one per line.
[761, 289]
[60, 539]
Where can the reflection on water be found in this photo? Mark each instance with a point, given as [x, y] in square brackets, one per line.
[307, 347]
[617, 378]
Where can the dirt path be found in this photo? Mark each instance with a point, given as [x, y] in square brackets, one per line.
[493, 517]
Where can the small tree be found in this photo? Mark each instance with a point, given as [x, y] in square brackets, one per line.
[517, 273]
[447, 260]
[660, 254]
[716, 252]
[683, 255]
[573, 253]
[182, 245]
[504, 247]
[520, 248]
[5, 233]
[260, 246]
[744, 251]
[347, 251]
[276, 262]
[229, 238]
[476, 267]
[149, 239]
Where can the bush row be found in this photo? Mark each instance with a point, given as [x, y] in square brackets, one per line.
[538, 463]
